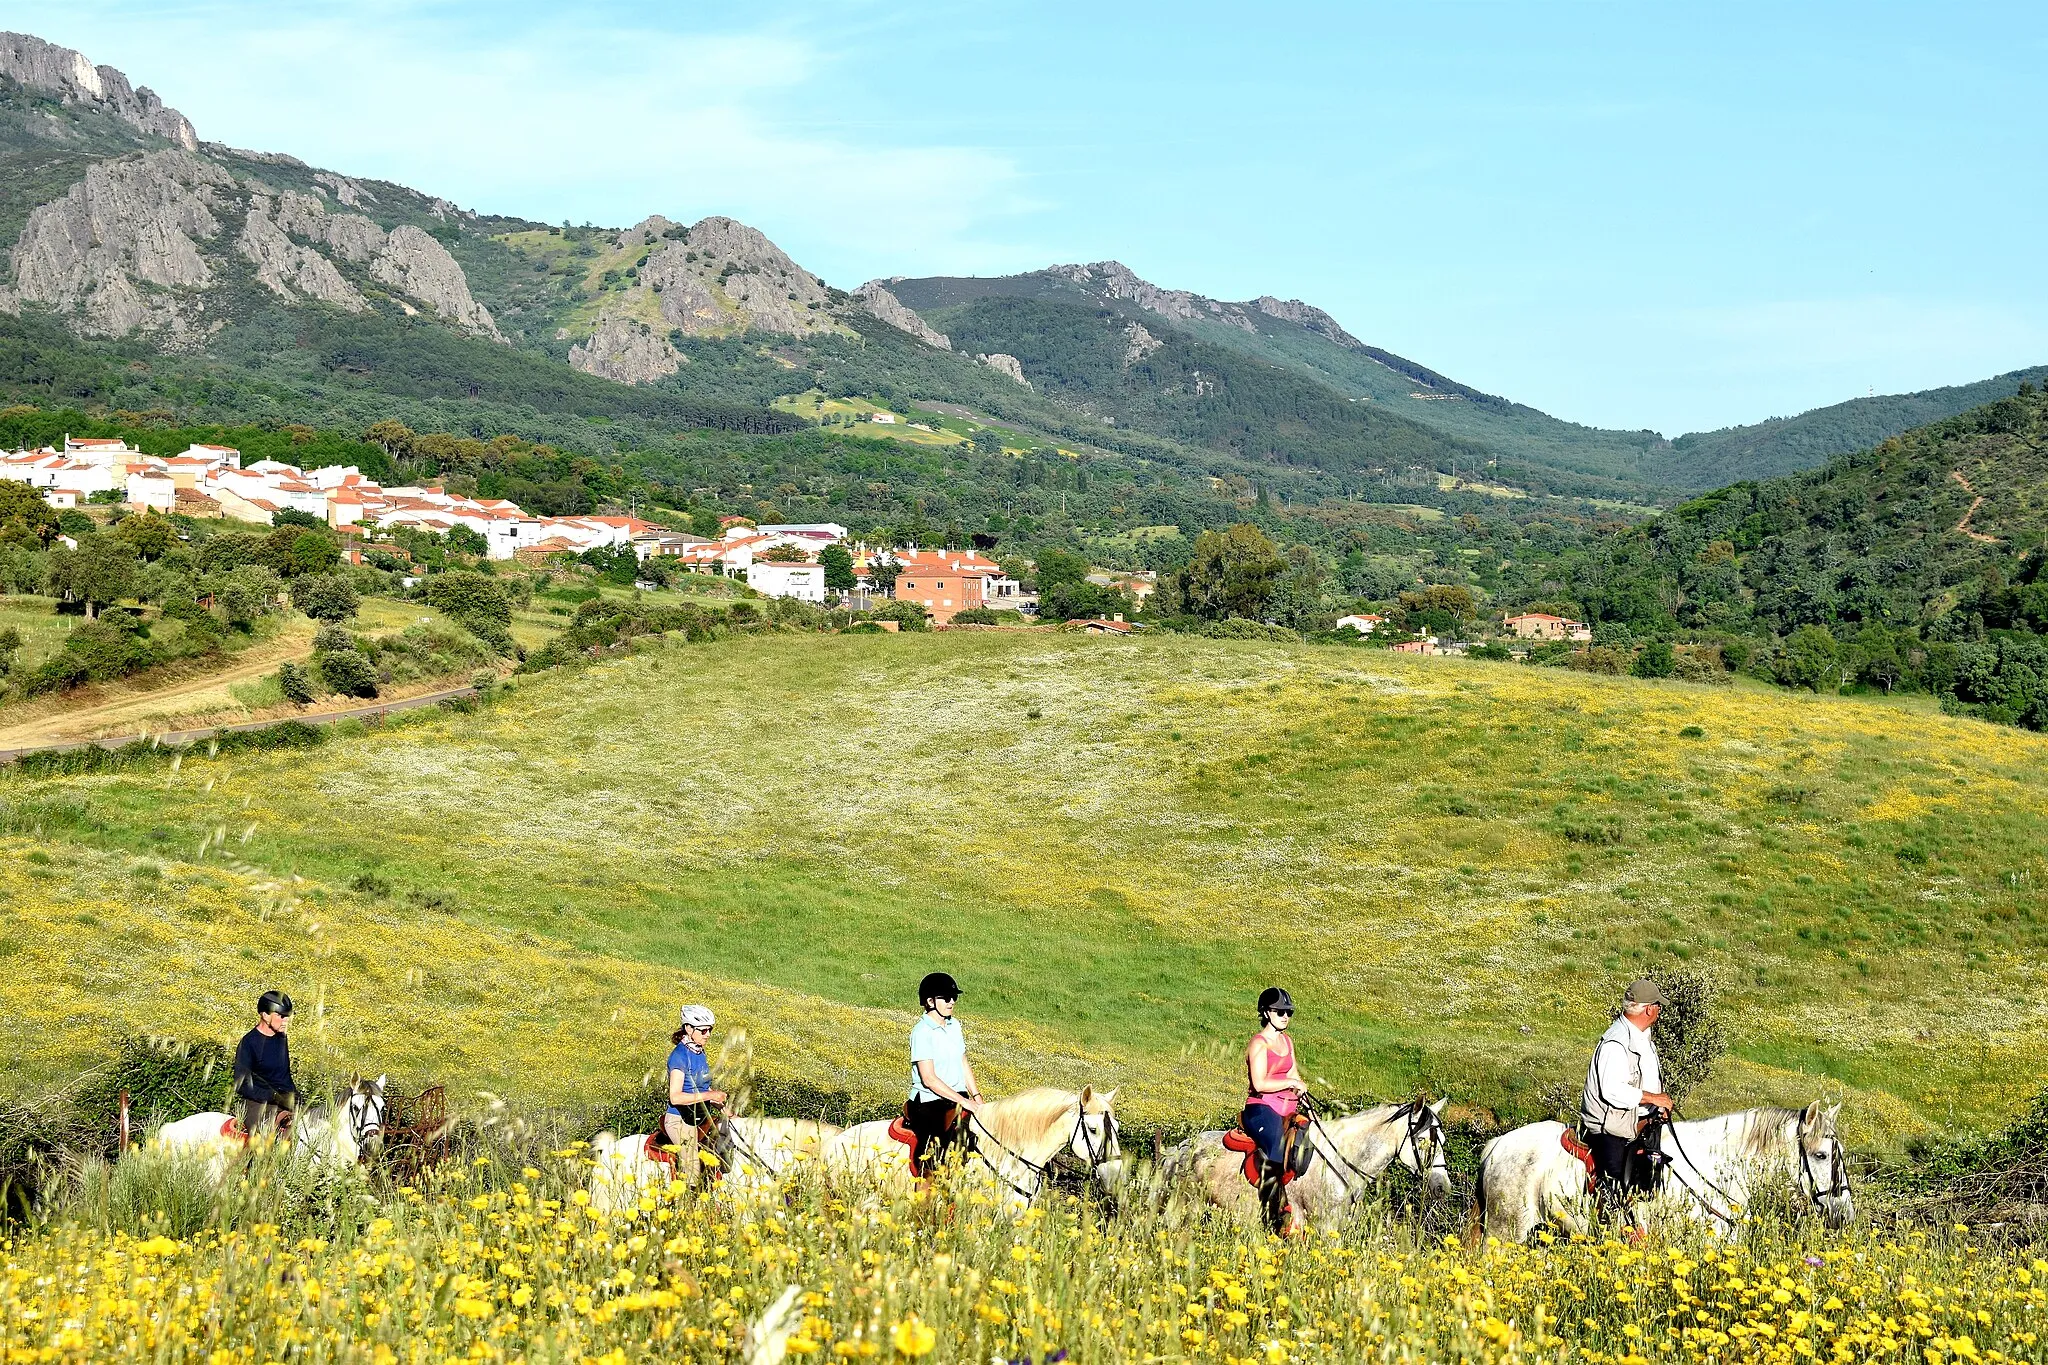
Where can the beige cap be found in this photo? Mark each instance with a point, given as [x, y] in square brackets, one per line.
[1643, 992]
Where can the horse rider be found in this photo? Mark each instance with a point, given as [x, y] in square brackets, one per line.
[1275, 1088]
[941, 1082]
[264, 1088]
[695, 1103]
[1624, 1104]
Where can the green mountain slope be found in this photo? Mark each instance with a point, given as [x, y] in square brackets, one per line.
[1785, 445]
[1523, 443]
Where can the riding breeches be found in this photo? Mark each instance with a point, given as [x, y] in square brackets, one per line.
[1623, 1166]
[263, 1119]
[937, 1125]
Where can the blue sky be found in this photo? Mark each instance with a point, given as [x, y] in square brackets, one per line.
[1665, 216]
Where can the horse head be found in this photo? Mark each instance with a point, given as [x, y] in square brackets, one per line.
[1824, 1165]
[1095, 1134]
[363, 1104]
[1423, 1145]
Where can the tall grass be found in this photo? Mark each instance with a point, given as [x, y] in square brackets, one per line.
[504, 1260]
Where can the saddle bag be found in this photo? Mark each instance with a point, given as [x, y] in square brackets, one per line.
[1570, 1140]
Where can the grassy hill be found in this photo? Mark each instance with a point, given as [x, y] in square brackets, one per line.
[1453, 865]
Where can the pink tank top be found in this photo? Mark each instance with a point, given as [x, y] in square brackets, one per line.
[1281, 1102]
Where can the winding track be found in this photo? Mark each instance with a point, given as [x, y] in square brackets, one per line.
[183, 737]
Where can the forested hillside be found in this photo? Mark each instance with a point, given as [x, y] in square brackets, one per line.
[1786, 445]
[1918, 564]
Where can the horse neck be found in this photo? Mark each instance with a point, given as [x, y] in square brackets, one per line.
[1730, 1148]
[1370, 1141]
[1039, 1147]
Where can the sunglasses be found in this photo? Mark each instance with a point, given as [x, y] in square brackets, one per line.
[1284, 1014]
[945, 999]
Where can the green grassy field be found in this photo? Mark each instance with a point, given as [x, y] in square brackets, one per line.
[1114, 844]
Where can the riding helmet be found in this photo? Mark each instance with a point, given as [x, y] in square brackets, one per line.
[275, 1002]
[1274, 998]
[698, 1016]
[937, 986]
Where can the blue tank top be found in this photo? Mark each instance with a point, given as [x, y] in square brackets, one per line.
[696, 1069]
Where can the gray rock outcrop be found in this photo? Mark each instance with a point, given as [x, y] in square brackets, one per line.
[130, 224]
[771, 292]
[414, 263]
[68, 76]
[286, 268]
[1115, 280]
[346, 191]
[627, 350]
[1306, 315]
[875, 298]
[1005, 364]
[1138, 343]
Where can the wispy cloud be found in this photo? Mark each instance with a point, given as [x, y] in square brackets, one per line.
[552, 118]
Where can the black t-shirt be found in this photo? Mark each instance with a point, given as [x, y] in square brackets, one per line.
[266, 1063]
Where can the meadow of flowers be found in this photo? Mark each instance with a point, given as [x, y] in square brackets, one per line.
[508, 1262]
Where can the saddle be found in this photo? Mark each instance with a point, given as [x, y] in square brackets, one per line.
[658, 1150]
[900, 1130]
[233, 1131]
[1570, 1140]
[1238, 1140]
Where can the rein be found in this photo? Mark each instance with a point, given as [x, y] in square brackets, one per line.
[1414, 1111]
[1097, 1159]
[1701, 1172]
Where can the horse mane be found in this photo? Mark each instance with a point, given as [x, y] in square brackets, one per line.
[1024, 1118]
[1762, 1130]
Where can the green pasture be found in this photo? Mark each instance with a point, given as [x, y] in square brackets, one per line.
[1114, 844]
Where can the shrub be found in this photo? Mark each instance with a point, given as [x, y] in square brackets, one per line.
[332, 637]
[348, 672]
[295, 682]
[324, 596]
[1690, 1034]
[1597, 659]
[975, 616]
[463, 593]
[1654, 660]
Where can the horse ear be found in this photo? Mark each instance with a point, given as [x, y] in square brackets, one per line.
[381, 1077]
[1087, 1095]
[1108, 1098]
[1832, 1115]
[1809, 1117]
[1438, 1107]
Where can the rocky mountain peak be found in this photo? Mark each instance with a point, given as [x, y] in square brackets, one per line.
[67, 75]
[874, 296]
[1115, 280]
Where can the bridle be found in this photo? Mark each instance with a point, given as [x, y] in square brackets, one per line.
[1838, 1172]
[366, 1109]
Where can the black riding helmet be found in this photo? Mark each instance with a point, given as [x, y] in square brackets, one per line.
[936, 985]
[275, 1002]
[1274, 998]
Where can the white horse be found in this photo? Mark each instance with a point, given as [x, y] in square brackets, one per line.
[1351, 1153]
[762, 1149]
[317, 1134]
[1717, 1169]
[1011, 1143]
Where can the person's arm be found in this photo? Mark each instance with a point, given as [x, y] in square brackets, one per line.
[286, 1097]
[973, 1086]
[247, 1087]
[679, 1093]
[928, 1076]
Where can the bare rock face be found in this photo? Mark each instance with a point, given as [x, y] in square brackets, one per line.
[130, 223]
[648, 230]
[771, 292]
[346, 191]
[1115, 280]
[627, 350]
[686, 298]
[414, 263]
[67, 75]
[875, 297]
[284, 267]
[1139, 344]
[1305, 315]
[1005, 364]
[352, 236]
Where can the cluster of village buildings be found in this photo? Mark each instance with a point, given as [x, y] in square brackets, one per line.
[777, 561]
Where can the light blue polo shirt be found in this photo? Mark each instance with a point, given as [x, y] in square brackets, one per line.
[945, 1047]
